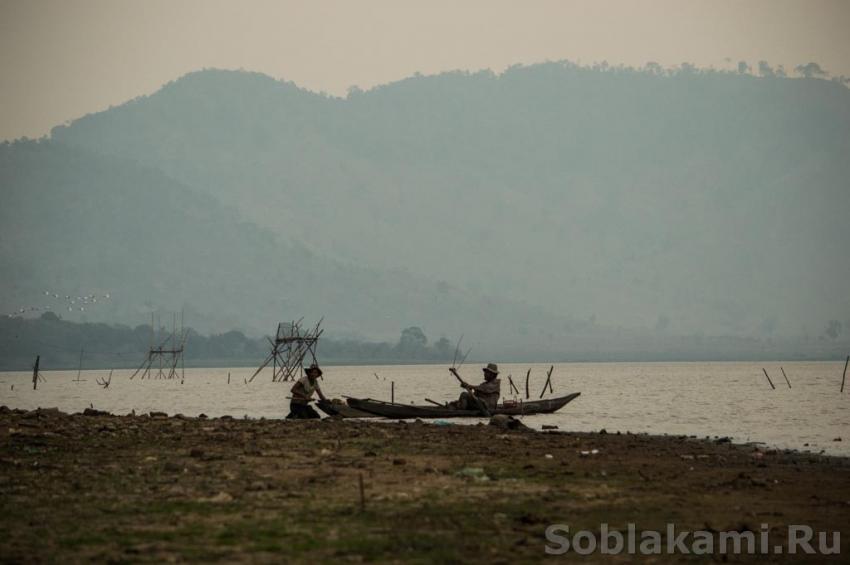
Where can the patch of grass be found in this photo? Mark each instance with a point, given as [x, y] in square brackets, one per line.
[198, 507]
[83, 539]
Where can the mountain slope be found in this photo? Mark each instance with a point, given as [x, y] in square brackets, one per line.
[74, 222]
[713, 200]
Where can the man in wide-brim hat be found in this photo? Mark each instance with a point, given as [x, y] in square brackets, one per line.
[486, 393]
[302, 394]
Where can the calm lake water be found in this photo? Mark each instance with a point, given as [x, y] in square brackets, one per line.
[714, 399]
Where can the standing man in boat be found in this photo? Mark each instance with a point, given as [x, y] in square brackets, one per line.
[486, 394]
[302, 394]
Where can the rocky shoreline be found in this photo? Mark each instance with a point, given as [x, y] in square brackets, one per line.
[151, 487]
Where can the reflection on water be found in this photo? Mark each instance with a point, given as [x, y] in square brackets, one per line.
[715, 399]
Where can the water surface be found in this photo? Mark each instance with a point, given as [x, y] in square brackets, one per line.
[702, 399]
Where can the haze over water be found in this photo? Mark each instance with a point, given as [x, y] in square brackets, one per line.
[701, 399]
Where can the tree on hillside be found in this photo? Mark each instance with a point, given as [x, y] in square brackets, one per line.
[443, 347]
[810, 70]
[50, 317]
[412, 341]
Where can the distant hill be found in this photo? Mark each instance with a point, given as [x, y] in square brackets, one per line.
[699, 201]
[80, 222]
[552, 210]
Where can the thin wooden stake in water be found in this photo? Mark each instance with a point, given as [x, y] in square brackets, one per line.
[786, 376]
[514, 389]
[228, 377]
[548, 381]
[527, 391]
[362, 493]
[38, 358]
[80, 368]
[844, 376]
[392, 391]
[768, 378]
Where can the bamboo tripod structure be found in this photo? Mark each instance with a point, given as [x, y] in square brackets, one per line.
[169, 353]
[290, 347]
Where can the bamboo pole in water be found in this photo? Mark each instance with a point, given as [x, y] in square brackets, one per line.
[80, 368]
[844, 375]
[768, 378]
[786, 376]
[548, 382]
[527, 392]
[35, 373]
[514, 389]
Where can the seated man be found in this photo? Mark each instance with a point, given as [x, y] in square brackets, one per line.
[486, 394]
[302, 394]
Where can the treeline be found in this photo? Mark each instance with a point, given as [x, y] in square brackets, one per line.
[62, 343]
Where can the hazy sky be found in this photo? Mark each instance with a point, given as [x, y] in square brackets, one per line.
[62, 59]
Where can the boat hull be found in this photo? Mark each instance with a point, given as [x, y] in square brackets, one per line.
[341, 410]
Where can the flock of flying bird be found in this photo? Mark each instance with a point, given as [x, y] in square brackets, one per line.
[71, 303]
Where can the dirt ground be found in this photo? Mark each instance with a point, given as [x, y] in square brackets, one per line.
[154, 488]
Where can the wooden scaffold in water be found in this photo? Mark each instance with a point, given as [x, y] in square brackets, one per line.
[290, 346]
[168, 352]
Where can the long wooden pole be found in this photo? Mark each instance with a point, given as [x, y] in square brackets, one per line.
[527, 391]
[182, 349]
[463, 360]
[844, 376]
[514, 389]
[768, 378]
[392, 392]
[35, 372]
[548, 381]
[786, 376]
[80, 368]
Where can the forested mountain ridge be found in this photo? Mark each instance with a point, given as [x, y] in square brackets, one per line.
[534, 209]
[710, 199]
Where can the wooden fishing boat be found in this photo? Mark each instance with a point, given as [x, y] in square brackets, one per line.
[403, 411]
